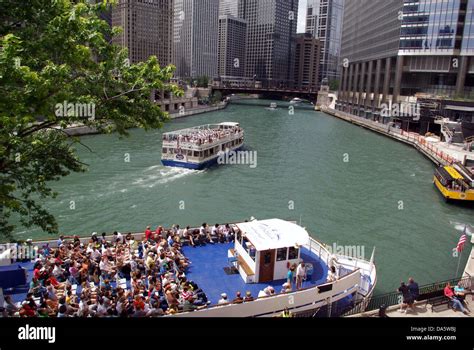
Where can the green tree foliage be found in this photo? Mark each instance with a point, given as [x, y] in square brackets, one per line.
[202, 81]
[55, 52]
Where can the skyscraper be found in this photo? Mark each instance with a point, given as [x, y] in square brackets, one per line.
[307, 58]
[394, 49]
[324, 20]
[271, 31]
[229, 7]
[147, 28]
[232, 38]
[196, 38]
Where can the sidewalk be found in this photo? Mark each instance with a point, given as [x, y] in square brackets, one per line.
[441, 153]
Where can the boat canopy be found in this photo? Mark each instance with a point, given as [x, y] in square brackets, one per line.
[274, 234]
[453, 172]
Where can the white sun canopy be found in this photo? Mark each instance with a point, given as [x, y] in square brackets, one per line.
[274, 234]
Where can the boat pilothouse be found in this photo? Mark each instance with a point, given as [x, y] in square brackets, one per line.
[200, 146]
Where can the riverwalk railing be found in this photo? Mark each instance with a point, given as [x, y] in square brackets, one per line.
[427, 291]
[434, 153]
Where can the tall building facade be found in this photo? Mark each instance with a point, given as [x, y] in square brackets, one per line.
[307, 58]
[232, 39]
[324, 19]
[229, 8]
[147, 29]
[196, 38]
[270, 43]
[394, 50]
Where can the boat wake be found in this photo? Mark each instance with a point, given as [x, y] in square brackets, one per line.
[158, 175]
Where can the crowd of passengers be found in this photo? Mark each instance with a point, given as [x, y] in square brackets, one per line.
[202, 136]
[90, 279]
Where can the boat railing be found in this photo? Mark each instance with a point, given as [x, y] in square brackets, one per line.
[198, 146]
[338, 289]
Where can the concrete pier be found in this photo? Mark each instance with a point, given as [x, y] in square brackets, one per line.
[440, 153]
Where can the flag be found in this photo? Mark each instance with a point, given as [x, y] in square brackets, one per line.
[461, 242]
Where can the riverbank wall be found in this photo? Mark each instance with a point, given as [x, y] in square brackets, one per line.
[435, 151]
[82, 130]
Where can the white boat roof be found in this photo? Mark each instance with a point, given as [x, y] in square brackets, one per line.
[274, 234]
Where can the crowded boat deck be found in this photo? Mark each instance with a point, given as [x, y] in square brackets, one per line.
[179, 270]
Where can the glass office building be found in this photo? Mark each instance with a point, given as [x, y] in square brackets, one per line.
[398, 50]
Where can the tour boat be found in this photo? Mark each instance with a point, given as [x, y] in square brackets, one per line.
[273, 106]
[201, 146]
[455, 182]
[258, 258]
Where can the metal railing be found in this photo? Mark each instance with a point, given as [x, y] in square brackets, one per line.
[427, 291]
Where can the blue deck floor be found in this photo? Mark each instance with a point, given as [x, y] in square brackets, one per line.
[207, 270]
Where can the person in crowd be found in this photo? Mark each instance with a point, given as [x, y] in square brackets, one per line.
[290, 276]
[413, 288]
[223, 299]
[456, 303]
[238, 299]
[248, 297]
[286, 288]
[332, 274]
[300, 275]
[407, 299]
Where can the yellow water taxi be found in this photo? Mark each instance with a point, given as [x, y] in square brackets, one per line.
[455, 182]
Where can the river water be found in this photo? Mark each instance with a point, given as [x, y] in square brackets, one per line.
[348, 186]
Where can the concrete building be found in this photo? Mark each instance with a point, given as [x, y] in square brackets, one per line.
[307, 58]
[232, 39]
[324, 20]
[147, 29]
[393, 51]
[271, 32]
[196, 38]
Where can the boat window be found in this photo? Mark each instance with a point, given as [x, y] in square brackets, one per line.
[281, 254]
[206, 153]
[293, 253]
[267, 258]
[211, 151]
[196, 154]
[165, 150]
[190, 153]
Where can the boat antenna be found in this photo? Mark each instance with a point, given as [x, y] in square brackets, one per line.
[300, 218]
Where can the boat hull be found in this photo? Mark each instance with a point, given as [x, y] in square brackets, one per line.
[467, 196]
[194, 166]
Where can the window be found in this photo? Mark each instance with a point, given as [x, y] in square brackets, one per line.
[165, 150]
[267, 258]
[281, 254]
[196, 154]
[293, 253]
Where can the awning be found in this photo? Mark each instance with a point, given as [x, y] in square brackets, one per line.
[459, 108]
[274, 234]
[453, 172]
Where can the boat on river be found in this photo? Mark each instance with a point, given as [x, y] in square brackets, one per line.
[258, 259]
[455, 182]
[200, 146]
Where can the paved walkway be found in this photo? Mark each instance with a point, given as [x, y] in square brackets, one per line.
[440, 153]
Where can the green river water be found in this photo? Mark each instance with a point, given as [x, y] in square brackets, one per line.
[349, 186]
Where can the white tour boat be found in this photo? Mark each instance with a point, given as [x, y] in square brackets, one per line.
[200, 146]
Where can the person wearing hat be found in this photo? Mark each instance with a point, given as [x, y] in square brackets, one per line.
[223, 299]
